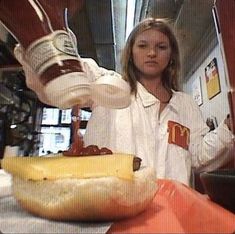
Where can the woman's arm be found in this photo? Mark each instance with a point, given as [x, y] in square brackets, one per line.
[205, 145]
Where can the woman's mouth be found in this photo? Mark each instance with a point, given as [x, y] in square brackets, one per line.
[151, 63]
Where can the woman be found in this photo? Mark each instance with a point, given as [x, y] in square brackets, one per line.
[162, 126]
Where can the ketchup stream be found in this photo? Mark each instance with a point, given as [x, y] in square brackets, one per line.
[77, 141]
[77, 146]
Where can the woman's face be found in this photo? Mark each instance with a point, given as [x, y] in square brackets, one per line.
[151, 53]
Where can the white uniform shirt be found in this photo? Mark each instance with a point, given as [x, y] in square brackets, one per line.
[139, 130]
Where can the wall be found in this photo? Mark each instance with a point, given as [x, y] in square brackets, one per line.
[218, 105]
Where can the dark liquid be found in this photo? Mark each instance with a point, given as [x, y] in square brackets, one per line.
[77, 141]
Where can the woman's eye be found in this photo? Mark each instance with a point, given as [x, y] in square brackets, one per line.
[142, 45]
[162, 47]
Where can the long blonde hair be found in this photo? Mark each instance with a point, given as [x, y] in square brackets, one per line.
[171, 72]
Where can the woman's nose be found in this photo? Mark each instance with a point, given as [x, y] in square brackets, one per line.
[152, 52]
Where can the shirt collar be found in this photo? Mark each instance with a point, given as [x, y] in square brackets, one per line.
[148, 99]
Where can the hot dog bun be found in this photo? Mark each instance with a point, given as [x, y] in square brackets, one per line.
[105, 198]
[102, 198]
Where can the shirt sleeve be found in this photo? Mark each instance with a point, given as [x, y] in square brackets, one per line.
[205, 145]
[93, 71]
